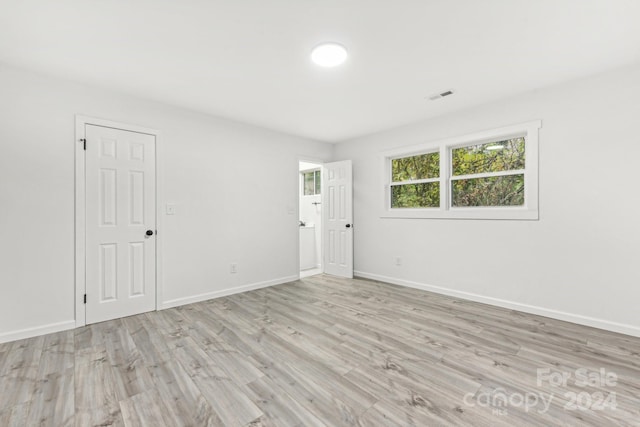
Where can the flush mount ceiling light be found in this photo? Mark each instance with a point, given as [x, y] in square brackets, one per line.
[329, 54]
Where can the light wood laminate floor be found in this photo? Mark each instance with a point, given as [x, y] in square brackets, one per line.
[322, 352]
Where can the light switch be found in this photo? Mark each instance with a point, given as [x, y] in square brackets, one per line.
[171, 209]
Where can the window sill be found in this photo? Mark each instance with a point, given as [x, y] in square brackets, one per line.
[523, 214]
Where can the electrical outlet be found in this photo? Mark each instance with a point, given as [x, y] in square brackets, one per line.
[398, 261]
[234, 268]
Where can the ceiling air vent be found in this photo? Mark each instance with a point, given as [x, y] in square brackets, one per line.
[441, 95]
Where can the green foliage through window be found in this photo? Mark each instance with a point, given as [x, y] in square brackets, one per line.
[426, 195]
[495, 156]
[505, 190]
[488, 159]
[423, 166]
[409, 174]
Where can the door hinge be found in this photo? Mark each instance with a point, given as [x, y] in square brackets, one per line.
[84, 143]
[85, 298]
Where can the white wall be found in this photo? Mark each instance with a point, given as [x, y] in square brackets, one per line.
[233, 186]
[578, 262]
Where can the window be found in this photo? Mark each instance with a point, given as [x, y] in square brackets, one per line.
[311, 183]
[488, 175]
[415, 181]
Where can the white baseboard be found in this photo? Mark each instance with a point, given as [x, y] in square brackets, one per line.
[532, 309]
[71, 324]
[226, 292]
[37, 330]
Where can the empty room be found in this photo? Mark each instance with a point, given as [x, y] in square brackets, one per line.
[319, 213]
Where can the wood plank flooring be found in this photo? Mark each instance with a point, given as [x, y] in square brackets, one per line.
[322, 351]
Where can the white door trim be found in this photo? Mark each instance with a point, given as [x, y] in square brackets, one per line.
[80, 205]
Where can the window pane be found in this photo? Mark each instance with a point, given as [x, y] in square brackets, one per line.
[492, 191]
[318, 182]
[490, 157]
[426, 195]
[308, 184]
[424, 166]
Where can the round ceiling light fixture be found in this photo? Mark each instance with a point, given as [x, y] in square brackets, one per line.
[329, 54]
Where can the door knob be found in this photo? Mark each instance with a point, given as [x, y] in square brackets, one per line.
[348, 225]
[149, 233]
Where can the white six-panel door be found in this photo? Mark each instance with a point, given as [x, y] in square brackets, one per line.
[120, 211]
[337, 218]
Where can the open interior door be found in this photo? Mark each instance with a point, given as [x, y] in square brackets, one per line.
[337, 218]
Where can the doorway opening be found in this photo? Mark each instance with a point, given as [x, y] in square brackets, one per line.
[310, 216]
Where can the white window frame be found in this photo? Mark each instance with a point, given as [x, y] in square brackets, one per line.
[414, 181]
[529, 211]
[302, 173]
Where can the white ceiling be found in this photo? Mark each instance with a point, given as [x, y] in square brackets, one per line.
[248, 60]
